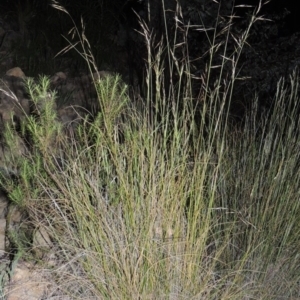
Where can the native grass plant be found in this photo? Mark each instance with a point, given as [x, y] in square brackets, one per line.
[161, 203]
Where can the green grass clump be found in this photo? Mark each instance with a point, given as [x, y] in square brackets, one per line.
[168, 202]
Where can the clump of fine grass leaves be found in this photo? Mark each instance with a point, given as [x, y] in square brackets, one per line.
[157, 204]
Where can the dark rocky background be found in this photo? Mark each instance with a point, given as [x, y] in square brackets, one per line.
[31, 34]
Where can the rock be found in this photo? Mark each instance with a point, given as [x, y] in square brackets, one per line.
[41, 242]
[3, 205]
[58, 78]
[14, 217]
[16, 72]
[13, 99]
[3, 214]
[26, 284]
[2, 236]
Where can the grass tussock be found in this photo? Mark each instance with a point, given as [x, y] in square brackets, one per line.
[166, 199]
